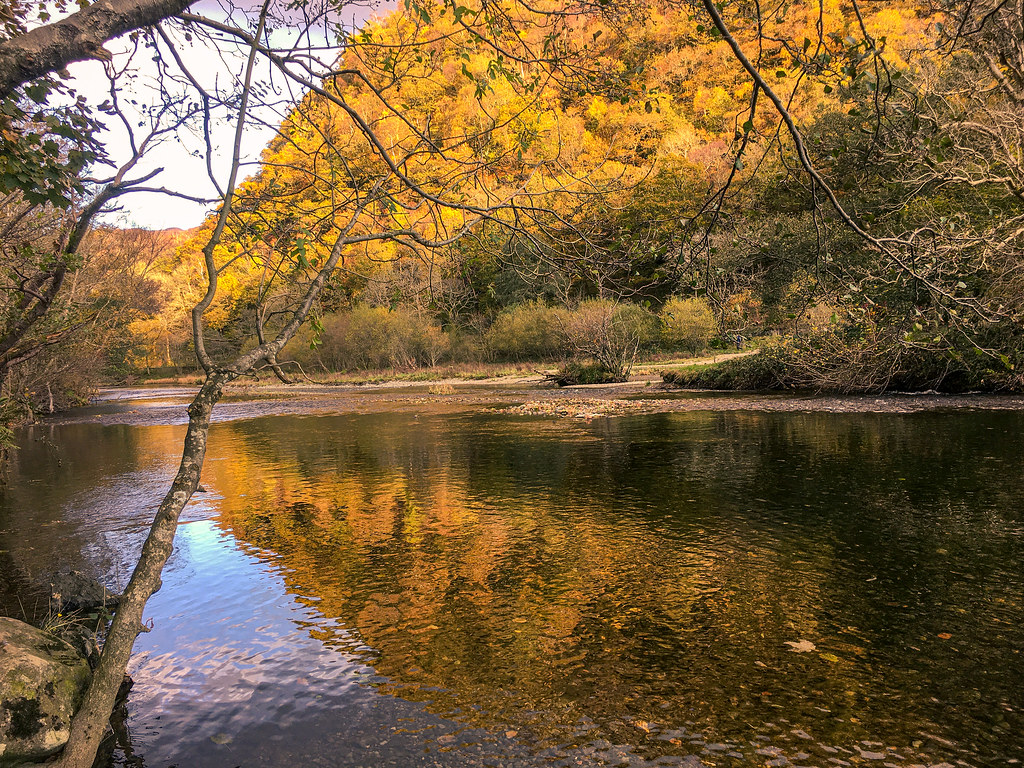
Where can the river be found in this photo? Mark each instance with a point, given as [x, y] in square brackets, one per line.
[439, 583]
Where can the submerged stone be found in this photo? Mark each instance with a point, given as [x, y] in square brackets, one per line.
[42, 681]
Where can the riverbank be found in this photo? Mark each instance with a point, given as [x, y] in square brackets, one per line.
[823, 364]
[482, 373]
[515, 396]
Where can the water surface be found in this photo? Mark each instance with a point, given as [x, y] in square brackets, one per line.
[450, 586]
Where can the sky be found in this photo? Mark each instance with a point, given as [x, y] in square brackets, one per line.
[182, 155]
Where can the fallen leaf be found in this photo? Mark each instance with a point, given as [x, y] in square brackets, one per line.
[944, 636]
[802, 646]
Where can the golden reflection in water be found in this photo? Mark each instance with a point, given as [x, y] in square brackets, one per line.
[534, 609]
[614, 580]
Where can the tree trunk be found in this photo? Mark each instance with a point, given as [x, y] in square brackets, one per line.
[78, 37]
[90, 725]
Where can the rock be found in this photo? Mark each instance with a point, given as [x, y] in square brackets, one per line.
[42, 681]
[74, 591]
[83, 640]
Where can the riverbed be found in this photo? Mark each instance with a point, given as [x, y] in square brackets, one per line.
[515, 576]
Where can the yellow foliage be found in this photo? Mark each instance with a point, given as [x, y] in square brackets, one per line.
[598, 108]
[459, 129]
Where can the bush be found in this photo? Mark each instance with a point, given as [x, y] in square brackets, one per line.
[687, 324]
[526, 332]
[466, 342]
[855, 359]
[60, 377]
[376, 337]
[611, 334]
[574, 373]
[765, 370]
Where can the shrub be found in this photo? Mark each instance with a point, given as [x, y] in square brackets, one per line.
[687, 324]
[855, 359]
[573, 373]
[466, 343]
[376, 337]
[434, 344]
[530, 331]
[60, 377]
[767, 369]
[611, 334]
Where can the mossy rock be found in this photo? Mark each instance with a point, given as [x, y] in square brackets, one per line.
[42, 682]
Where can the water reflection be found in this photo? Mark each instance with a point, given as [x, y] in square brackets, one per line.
[643, 576]
[748, 588]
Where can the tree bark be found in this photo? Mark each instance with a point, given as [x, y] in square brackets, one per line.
[77, 37]
[90, 724]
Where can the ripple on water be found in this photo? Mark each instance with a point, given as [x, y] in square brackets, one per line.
[467, 589]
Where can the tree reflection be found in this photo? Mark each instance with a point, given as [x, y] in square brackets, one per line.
[636, 580]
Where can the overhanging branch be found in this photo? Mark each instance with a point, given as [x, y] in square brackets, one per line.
[77, 37]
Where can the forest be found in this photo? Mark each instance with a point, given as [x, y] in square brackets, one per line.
[664, 205]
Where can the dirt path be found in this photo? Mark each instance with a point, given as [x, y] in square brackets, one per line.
[706, 360]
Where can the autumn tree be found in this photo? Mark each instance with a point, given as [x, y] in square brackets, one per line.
[360, 157]
[896, 203]
[51, 260]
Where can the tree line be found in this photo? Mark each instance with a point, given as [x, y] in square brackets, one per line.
[649, 167]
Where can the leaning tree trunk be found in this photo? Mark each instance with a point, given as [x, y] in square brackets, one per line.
[76, 37]
[87, 730]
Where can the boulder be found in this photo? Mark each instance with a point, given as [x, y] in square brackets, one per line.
[42, 681]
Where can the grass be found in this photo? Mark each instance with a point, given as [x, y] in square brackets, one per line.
[469, 371]
[463, 371]
[56, 622]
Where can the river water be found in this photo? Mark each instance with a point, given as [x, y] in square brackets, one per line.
[447, 585]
